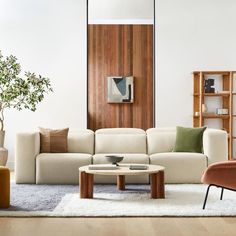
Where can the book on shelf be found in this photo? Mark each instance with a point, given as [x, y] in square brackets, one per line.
[103, 167]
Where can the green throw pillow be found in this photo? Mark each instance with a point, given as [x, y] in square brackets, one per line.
[189, 139]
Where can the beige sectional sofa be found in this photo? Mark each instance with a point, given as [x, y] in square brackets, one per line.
[137, 146]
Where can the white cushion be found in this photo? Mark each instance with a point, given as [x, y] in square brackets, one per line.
[60, 168]
[181, 167]
[81, 141]
[128, 158]
[120, 140]
[160, 140]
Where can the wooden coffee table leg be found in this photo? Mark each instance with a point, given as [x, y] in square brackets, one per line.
[157, 185]
[90, 185]
[83, 184]
[86, 185]
[121, 182]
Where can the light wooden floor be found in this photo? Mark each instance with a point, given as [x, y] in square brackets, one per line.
[215, 226]
[117, 226]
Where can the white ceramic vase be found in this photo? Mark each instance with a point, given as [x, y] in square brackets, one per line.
[3, 151]
[204, 108]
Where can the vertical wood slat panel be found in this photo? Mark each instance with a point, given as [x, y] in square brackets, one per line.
[120, 50]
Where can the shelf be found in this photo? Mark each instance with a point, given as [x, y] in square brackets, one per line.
[213, 116]
[213, 94]
[216, 94]
[213, 72]
[216, 116]
[224, 95]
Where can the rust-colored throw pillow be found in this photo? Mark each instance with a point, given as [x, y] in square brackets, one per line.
[53, 140]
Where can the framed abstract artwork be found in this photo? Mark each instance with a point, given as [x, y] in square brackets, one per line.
[120, 89]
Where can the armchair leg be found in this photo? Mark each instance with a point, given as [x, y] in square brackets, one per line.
[204, 204]
[222, 192]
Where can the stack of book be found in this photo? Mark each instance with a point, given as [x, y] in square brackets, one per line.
[103, 167]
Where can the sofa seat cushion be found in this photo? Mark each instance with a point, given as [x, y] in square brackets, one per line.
[128, 158]
[60, 168]
[181, 167]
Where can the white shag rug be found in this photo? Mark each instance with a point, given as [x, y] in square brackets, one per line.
[181, 200]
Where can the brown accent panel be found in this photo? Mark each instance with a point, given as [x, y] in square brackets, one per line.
[120, 50]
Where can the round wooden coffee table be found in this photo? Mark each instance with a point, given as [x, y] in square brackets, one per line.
[156, 173]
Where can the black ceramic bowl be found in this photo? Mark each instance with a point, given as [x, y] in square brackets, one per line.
[114, 159]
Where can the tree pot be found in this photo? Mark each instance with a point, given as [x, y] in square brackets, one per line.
[3, 151]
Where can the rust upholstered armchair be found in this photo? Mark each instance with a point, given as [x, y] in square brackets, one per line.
[221, 174]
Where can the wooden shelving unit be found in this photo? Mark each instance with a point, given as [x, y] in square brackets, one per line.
[199, 97]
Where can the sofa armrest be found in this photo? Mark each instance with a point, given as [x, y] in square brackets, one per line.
[215, 145]
[26, 150]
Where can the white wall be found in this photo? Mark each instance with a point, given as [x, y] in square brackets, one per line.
[121, 11]
[191, 35]
[48, 37]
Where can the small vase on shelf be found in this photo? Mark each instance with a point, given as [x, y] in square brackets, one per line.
[204, 108]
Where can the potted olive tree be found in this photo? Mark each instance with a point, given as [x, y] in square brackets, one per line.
[18, 92]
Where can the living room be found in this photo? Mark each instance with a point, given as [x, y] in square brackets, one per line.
[124, 120]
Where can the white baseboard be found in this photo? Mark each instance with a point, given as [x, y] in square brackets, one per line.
[11, 165]
[121, 22]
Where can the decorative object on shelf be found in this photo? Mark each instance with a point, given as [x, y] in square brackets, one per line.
[120, 89]
[208, 83]
[204, 108]
[222, 111]
[17, 92]
[114, 159]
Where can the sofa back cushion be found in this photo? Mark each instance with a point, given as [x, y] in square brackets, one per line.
[160, 140]
[120, 140]
[81, 141]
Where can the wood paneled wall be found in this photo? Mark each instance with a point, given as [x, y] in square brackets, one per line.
[120, 50]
